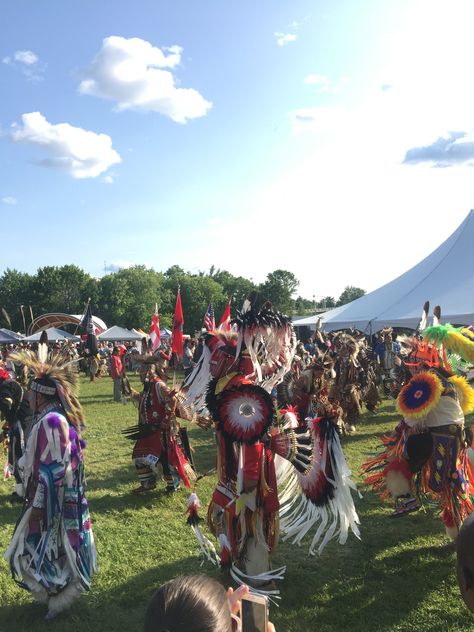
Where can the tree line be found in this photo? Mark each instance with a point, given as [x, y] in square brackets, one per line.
[128, 297]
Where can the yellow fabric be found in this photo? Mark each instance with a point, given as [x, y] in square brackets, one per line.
[222, 383]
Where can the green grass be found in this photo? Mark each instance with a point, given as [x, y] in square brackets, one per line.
[400, 577]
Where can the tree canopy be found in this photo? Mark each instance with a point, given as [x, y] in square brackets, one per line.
[128, 297]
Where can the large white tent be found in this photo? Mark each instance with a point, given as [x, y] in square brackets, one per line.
[445, 278]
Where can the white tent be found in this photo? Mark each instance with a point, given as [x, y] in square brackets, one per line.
[54, 335]
[445, 278]
[117, 333]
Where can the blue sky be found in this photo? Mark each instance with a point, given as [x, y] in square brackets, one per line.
[332, 139]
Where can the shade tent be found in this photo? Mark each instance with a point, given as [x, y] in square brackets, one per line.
[445, 278]
[7, 333]
[8, 337]
[117, 333]
[54, 335]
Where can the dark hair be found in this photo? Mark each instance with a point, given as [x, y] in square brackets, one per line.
[195, 603]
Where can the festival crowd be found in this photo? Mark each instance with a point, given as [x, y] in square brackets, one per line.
[280, 409]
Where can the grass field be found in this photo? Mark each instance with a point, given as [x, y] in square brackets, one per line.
[399, 577]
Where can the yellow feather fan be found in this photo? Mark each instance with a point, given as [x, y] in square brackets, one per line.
[464, 392]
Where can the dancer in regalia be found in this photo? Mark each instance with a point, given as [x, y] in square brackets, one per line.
[426, 455]
[159, 439]
[260, 451]
[52, 551]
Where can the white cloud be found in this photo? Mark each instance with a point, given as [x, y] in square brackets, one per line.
[283, 39]
[27, 57]
[137, 76]
[9, 200]
[123, 264]
[81, 153]
[109, 179]
[317, 119]
[318, 80]
[28, 62]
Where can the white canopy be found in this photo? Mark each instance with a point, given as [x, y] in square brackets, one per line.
[445, 278]
[119, 333]
[53, 336]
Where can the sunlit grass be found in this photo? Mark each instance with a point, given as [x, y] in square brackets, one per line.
[399, 577]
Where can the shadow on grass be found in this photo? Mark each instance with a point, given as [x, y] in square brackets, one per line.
[119, 607]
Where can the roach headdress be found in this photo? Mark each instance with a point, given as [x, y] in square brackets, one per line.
[53, 375]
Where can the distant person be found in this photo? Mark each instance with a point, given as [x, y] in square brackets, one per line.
[116, 373]
[310, 347]
[188, 357]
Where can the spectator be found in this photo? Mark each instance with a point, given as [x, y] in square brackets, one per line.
[195, 603]
[116, 373]
[310, 346]
[188, 355]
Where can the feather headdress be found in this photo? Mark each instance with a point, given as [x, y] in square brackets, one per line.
[54, 375]
[268, 337]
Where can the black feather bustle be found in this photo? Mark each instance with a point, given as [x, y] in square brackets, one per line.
[141, 431]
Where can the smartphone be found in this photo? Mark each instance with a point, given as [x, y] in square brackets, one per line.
[254, 613]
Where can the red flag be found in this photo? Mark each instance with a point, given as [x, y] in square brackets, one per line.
[155, 330]
[178, 322]
[224, 325]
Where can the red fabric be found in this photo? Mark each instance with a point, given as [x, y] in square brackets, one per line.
[116, 367]
[252, 458]
[148, 445]
[270, 500]
[155, 330]
[399, 465]
[177, 333]
[225, 320]
[177, 459]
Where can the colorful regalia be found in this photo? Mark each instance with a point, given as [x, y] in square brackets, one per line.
[52, 552]
[426, 455]
[159, 439]
[274, 474]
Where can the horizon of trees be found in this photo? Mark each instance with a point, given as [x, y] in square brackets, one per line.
[128, 297]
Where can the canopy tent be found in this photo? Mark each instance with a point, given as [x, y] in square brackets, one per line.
[8, 337]
[445, 278]
[54, 335]
[117, 333]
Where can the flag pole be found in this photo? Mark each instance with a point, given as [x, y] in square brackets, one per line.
[83, 314]
[23, 316]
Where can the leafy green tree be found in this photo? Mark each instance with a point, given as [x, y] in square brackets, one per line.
[128, 297]
[64, 289]
[327, 302]
[235, 288]
[15, 290]
[196, 294]
[279, 288]
[349, 294]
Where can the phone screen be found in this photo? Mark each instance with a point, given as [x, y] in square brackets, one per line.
[254, 616]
